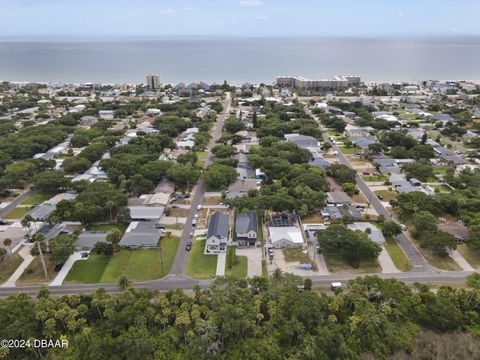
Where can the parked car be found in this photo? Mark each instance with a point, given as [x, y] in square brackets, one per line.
[380, 197]
[188, 247]
[194, 222]
[403, 227]
[199, 207]
[196, 216]
[58, 267]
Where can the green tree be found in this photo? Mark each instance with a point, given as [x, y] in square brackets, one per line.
[61, 247]
[50, 182]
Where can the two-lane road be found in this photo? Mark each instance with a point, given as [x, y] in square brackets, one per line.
[181, 257]
[416, 259]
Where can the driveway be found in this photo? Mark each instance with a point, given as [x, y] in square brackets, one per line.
[460, 260]
[221, 260]
[62, 274]
[254, 256]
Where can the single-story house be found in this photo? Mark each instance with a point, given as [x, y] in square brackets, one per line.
[42, 211]
[246, 228]
[217, 235]
[458, 230]
[338, 198]
[375, 235]
[87, 240]
[241, 188]
[285, 236]
[339, 212]
[145, 212]
[303, 141]
[140, 234]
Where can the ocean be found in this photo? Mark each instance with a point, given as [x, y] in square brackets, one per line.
[239, 60]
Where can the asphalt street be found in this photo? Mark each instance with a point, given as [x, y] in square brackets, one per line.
[180, 261]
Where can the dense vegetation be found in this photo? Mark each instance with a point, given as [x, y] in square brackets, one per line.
[271, 319]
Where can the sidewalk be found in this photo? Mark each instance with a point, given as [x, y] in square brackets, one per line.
[221, 260]
[62, 274]
[27, 259]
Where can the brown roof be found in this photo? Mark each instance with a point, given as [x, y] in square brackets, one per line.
[456, 229]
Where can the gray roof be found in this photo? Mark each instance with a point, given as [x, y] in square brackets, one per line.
[219, 225]
[302, 141]
[320, 162]
[339, 197]
[145, 212]
[42, 211]
[246, 222]
[375, 235]
[88, 239]
[141, 234]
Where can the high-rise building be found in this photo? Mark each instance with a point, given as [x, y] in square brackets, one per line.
[335, 83]
[153, 81]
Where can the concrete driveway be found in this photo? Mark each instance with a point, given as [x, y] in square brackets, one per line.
[386, 262]
[254, 256]
[62, 274]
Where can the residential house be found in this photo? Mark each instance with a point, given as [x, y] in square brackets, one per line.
[339, 212]
[246, 228]
[457, 230]
[87, 240]
[375, 234]
[284, 234]
[153, 213]
[335, 198]
[141, 234]
[217, 235]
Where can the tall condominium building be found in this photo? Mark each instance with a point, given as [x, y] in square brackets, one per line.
[335, 83]
[153, 81]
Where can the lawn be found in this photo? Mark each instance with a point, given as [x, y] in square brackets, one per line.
[337, 265]
[107, 227]
[35, 199]
[199, 265]
[202, 156]
[348, 150]
[9, 265]
[374, 178]
[386, 195]
[396, 253]
[34, 274]
[212, 200]
[295, 254]
[136, 265]
[333, 132]
[313, 218]
[239, 269]
[18, 213]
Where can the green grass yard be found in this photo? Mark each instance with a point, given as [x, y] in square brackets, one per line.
[295, 254]
[136, 265]
[36, 199]
[374, 178]
[337, 265]
[386, 195]
[396, 253]
[348, 150]
[199, 265]
[239, 269]
[18, 213]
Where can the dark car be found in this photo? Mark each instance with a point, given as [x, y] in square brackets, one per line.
[5, 222]
[380, 197]
[189, 245]
[58, 267]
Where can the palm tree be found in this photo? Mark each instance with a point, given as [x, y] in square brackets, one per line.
[38, 238]
[8, 243]
[123, 283]
[110, 204]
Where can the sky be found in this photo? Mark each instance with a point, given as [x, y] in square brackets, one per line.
[263, 18]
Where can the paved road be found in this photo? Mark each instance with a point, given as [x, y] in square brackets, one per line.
[16, 202]
[416, 259]
[169, 283]
[180, 261]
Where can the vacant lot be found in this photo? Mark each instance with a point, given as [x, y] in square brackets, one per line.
[396, 253]
[138, 264]
[386, 194]
[336, 264]
[34, 273]
[295, 254]
[9, 265]
[199, 265]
